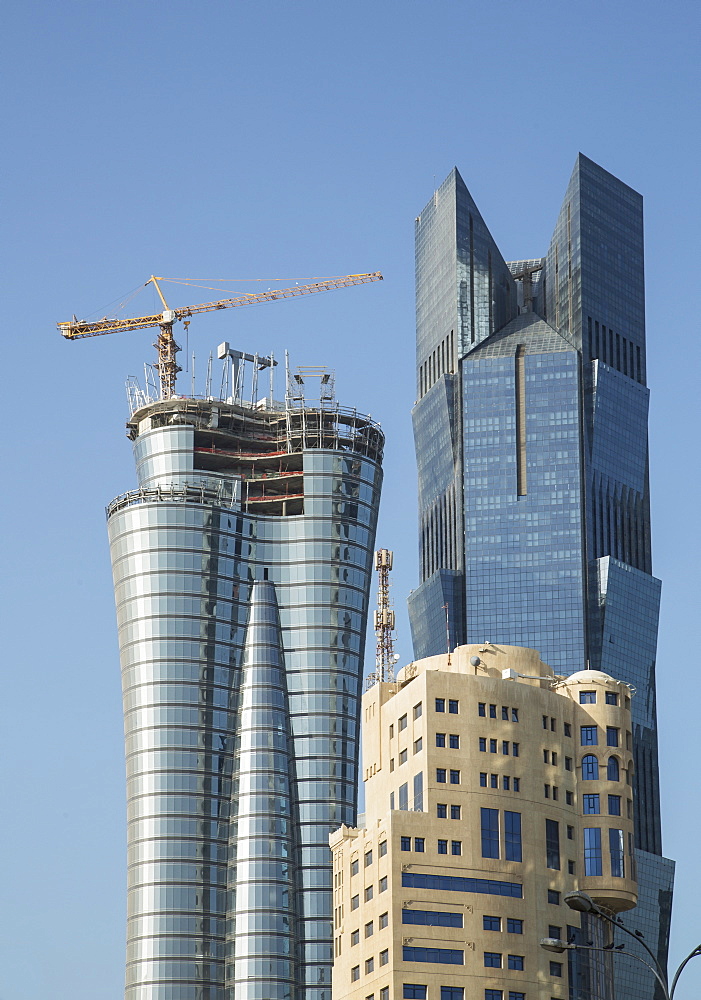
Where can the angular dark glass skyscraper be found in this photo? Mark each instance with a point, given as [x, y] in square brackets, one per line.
[531, 442]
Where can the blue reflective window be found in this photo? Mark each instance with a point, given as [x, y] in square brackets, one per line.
[614, 805]
[419, 844]
[556, 969]
[616, 851]
[452, 993]
[431, 918]
[442, 810]
[483, 744]
[490, 832]
[611, 698]
[590, 767]
[590, 805]
[587, 697]
[588, 736]
[612, 735]
[455, 812]
[514, 925]
[592, 851]
[405, 843]
[454, 777]
[439, 956]
[454, 741]
[612, 769]
[440, 739]
[493, 995]
[483, 779]
[440, 704]
[414, 991]
[454, 883]
[516, 995]
[441, 775]
[491, 923]
[552, 844]
[492, 959]
[515, 962]
[481, 709]
[512, 836]
[453, 706]
[442, 846]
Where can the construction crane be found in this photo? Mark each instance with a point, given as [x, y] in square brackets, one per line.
[166, 346]
[384, 620]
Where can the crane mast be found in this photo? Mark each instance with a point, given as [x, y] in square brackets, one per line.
[384, 620]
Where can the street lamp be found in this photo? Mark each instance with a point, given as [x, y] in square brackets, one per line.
[583, 903]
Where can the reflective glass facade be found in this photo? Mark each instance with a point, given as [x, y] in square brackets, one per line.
[242, 566]
[531, 441]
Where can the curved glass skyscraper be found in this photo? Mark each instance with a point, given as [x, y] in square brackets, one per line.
[531, 442]
[242, 566]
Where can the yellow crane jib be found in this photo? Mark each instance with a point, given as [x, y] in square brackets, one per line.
[77, 329]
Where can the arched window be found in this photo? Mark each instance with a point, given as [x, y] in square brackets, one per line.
[590, 767]
[612, 769]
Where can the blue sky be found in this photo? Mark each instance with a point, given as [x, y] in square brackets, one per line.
[260, 140]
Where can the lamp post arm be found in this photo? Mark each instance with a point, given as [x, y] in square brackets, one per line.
[628, 954]
[677, 974]
[621, 926]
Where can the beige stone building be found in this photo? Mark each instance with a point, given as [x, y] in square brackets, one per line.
[492, 788]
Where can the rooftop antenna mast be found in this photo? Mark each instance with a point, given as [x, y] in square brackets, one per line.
[384, 619]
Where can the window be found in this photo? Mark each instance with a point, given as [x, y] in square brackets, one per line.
[512, 836]
[505, 747]
[455, 812]
[391, 764]
[568, 763]
[481, 709]
[369, 929]
[418, 710]
[355, 866]
[515, 962]
[587, 697]
[442, 846]
[442, 810]
[355, 937]
[368, 858]
[492, 746]
[590, 767]
[555, 792]
[570, 867]
[482, 744]
[453, 706]
[419, 843]
[592, 851]
[616, 851]
[515, 749]
[489, 819]
[493, 780]
[514, 715]
[402, 757]
[368, 893]
[553, 758]
[440, 739]
[441, 956]
[383, 848]
[440, 704]
[418, 745]
[506, 782]
[384, 920]
[405, 843]
[504, 713]
[454, 741]
[440, 775]
[554, 897]
[545, 756]
[568, 729]
[404, 797]
[555, 932]
[629, 741]
[517, 784]
[355, 902]
[552, 844]
[391, 731]
[454, 777]
[384, 956]
[553, 725]
[612, 736]
[556, 968]
[431, 918]
[629, 808]
[590, 805]
[492, 959]
[452, 993]
[456, 847]
[588, 737]
[570, 833]
[611, 698]
[454, 883]
[492, 711]
[419, 792]
[493, 995]
[491, 923]
[383, 884]
[402, 723]
[483, 779]
[612, 769]
[514, 926]
[355, 973]
[369, 965]
[545, 722]
[516, 995]
[569, 798]
[412, 991]
[546, 791]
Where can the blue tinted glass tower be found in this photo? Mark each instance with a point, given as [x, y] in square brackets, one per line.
[242, 565]
[531, 440]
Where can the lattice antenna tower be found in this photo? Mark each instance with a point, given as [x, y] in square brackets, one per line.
[384, 619]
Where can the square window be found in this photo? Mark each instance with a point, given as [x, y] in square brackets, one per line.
[494, 780]
[504, 713]
[554, 932]
[440, 739]
[355, 973]
[383, 848]
[384, 920]
[554, 897]
[355, 937]
[492, 746]
[383, 884]
[442, 846]
[402, 757]
[455, 812]
[614, 805]
[456, 847]
[405, 843]
[483, 744]
[442, 810]
[355, 866]
[556, 969]
[481, 709]
[368, 893]
[515, 749]
[454, 741]
[402, 723]
[491, 923]
[506, 782]
[355, 902]
[611, 736]
[418, 745]
[419, 844]
[369, 929]
[454, 777]
[516, 962]
[483, 779]
[492, 711]
[588, 736]
[440, 775]
[569, 798]
[453, 706]
[384, 956]
[369, 965]
[514, 715]
[514, 926]
[517, 784]
[492, 959]
[590, 804]
[418, 710]
[611, 698]
[440, 704]
[568, 729]
[587, 697]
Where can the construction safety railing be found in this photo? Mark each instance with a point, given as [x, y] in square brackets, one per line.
[223, 495]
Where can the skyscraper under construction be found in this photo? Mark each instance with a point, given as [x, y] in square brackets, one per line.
[531, 441]
[242, 566]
